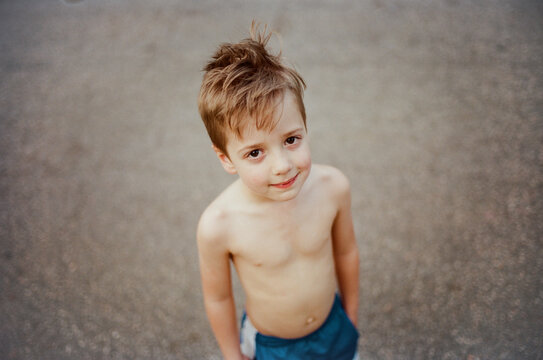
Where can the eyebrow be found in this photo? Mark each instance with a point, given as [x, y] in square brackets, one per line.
[293, 132]
[259, 145]
[249, 147]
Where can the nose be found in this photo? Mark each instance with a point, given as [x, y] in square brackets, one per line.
[281, 163]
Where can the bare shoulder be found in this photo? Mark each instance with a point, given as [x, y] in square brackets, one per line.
[211, 226]
[215, 221]
[332, 179]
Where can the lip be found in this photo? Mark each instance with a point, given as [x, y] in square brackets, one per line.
[286, 184]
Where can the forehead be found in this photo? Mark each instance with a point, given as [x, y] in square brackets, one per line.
[284, 116]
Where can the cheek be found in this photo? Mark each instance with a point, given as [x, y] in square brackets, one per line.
[303, 158]
[258, 179]
[255, 177]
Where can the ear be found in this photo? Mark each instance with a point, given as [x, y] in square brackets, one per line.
[225, 160]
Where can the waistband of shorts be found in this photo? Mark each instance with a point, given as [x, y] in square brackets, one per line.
[274, 341]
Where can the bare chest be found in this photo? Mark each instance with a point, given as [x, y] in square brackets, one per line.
[263, 242]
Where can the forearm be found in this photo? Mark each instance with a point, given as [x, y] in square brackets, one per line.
[347, 266]
[222, 317]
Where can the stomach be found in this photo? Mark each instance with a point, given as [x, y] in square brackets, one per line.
[290, 301]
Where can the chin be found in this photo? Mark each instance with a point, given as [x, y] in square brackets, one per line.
[287, 197]
[290, 194]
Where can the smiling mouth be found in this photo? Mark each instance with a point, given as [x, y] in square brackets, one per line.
[286, 184]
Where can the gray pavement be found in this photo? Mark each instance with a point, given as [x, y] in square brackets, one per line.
[433, 109]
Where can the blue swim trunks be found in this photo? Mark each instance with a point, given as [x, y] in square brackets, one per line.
[336, 339]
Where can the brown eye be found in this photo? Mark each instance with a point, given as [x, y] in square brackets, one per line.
[291, 140]
[254, 153]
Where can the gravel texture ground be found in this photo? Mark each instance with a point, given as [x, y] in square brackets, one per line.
[433, 109]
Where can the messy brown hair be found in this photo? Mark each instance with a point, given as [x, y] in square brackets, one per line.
[241, 85]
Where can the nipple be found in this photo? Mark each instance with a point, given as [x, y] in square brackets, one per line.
[310, 320]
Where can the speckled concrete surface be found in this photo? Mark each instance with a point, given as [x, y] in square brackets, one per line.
[433, 109]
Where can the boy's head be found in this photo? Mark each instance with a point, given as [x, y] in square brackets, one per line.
[241, 86]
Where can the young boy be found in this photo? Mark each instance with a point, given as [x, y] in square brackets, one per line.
[285, 223]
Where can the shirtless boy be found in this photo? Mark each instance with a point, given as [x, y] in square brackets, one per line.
[284, 223]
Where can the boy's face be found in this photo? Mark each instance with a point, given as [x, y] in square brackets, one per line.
[272, 164]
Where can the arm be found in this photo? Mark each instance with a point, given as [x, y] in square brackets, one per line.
[217, 289]
[346, 251]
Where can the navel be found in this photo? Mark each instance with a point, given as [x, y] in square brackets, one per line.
[310, 320]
